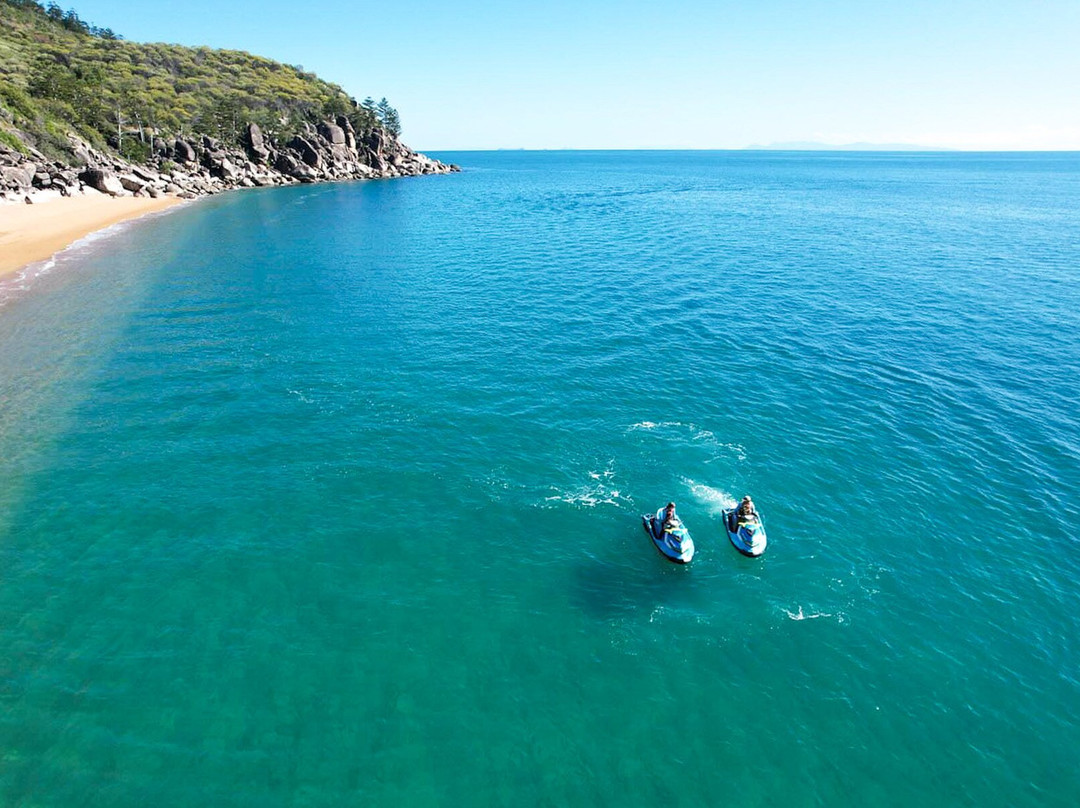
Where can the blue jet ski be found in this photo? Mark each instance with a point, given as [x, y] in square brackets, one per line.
[747, 532]
[673, 542]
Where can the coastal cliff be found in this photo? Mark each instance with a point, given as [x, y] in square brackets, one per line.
[323, 152]
[84, 112]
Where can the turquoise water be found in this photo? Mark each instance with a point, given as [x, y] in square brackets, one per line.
[330, 495]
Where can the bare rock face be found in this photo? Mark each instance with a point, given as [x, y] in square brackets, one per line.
[183, 151]
[132, 183]
[350, 133]
[44, 195]
[331, 133]
[376, 142]
[256, 143]
[82, 153]
[291, 167]
[16, 178]
[308, 153]
[223, 169]
[101, 180]
[64, 180]
[144, 174]
[328, 151]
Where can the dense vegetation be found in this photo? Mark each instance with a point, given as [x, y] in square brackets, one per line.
[60, 74]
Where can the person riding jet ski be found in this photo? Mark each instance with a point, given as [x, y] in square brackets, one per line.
[745, 528]
[746, 512]
[668, 534]
[671, 519]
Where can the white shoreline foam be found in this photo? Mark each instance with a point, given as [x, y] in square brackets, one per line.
[21, 281]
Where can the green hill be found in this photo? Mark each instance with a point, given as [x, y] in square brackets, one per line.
[59, 74]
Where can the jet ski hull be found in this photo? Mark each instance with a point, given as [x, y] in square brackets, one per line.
[746, 542]
[678, 550]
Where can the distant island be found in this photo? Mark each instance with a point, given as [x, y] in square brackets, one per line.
[81, 108]
[804, 145]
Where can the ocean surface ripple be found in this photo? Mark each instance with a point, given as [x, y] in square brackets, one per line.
[330, 495]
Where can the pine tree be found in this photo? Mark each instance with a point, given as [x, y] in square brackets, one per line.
[388, 117]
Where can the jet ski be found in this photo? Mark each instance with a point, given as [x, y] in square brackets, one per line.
[747, 533]
[673, 542]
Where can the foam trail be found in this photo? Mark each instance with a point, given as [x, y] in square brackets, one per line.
[599, 490]
[715, 499]
[801, 615]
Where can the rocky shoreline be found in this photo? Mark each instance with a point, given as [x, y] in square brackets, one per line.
[330, 151]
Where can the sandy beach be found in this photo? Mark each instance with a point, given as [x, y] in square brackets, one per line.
[30, 233]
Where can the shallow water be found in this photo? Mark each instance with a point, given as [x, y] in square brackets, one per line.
[330, 495]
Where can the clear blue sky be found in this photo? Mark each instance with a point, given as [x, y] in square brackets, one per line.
[480, 74]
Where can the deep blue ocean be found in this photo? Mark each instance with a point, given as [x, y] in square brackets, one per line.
[330, 495]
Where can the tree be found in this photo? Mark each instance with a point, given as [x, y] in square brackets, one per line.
[337, 105]
[53, 80]
[388, 117]
[225, 117]
[392, 124]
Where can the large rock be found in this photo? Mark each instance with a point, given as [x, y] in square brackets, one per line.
[375, 142]
[350, 133]
[82, 151]
[211, 157]
[46, 195]
[342, 154]
[223, 170]
[17, 178]
[332, 134]
[144, 174]
[101, 180]
[308, 153]
[255, 142]
[64, 180]
[286, 163]
[132, 183]
[291, 167]
[376, 162]
[183, 151]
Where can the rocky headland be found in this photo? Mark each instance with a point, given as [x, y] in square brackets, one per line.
[329, 151]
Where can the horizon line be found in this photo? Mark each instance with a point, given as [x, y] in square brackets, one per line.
[824, 148]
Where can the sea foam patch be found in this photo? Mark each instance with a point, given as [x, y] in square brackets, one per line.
[799, 615]
[691, 434]
[20, 281]
[714, 499]
[600, 489]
